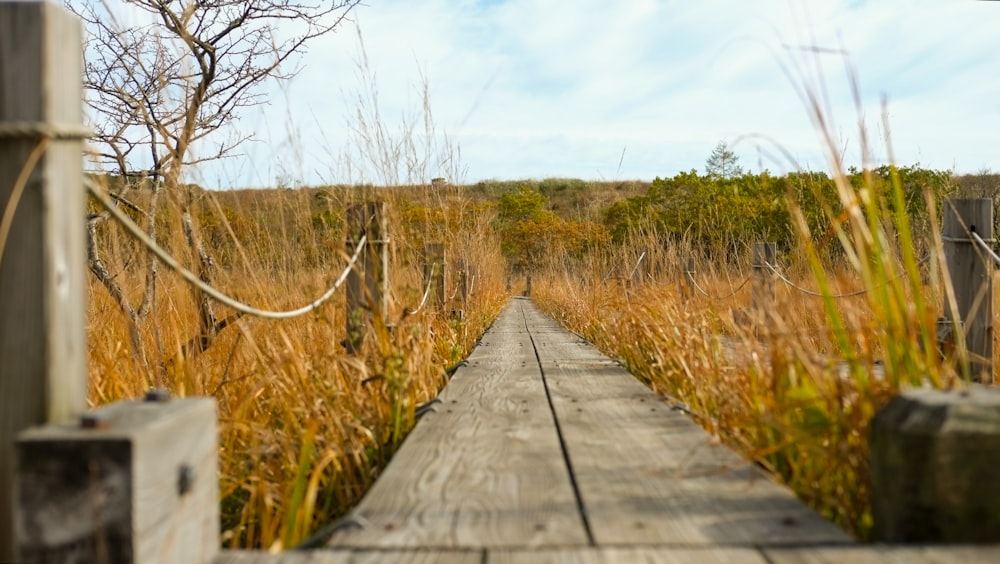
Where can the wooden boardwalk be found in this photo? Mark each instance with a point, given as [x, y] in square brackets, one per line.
[544, 450]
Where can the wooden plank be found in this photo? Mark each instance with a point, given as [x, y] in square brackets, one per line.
[649, 475]
[629, 555]
[884, 555]
[353, 557]
[484, 470]
[613, 555]
[43, 372]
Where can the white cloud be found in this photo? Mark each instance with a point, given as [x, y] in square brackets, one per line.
[535, 88]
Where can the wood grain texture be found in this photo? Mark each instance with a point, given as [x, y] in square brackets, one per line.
[633, 555]
[484, 470]
[649, 475]
[43, 273]
[885, 555]
[115, 491]
[354, 557]
[621, 555]
[971, 273]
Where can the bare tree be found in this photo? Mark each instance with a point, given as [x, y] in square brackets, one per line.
[163, 95]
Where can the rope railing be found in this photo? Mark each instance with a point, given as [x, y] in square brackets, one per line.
[135, 231]
[637, 264]
[791, 284]
[427, 292]
[985, 247]
[703, 292]
[806, 291]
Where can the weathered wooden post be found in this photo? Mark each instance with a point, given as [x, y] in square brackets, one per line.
[130, 481]
[463, 281]
[367, 283]
[434, 273]
[764, 258]
[43, 352]
[971, 272]
[686, 278]
[638, 272]
[933, 466]
[462, 277]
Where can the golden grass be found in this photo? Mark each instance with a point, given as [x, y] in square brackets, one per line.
[794, 388]
[304, 428]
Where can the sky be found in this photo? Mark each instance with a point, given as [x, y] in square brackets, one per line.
[628, 90]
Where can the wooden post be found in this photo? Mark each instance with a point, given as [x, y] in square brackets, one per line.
[527, 286]
[636, 277]
[463, 281]
[367, 283]
[933, 467]
[434, 273]
[764, 254]
[133, 481]
[971, 274]
[43, 352]
[686, 278]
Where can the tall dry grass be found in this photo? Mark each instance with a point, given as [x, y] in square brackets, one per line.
[795, 387]
[304, 427]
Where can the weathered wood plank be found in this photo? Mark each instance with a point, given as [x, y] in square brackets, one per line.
[649, 475]
[484, 470]
[629, 555]
[354, 557]
[884, 555]
[43, 372]
[624, 555]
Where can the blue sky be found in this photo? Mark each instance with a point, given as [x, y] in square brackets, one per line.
[631, 90]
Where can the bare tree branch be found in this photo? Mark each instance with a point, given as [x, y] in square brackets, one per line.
[159, 92]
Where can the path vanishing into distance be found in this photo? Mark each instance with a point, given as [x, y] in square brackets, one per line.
[542, 449]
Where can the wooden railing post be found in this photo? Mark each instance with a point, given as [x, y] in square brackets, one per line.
[933, 467]
[367, 283]
[463, 281]
[763, 298]
[434, 261]
[131, 481]
[686, 277]
[971, 272]
[43, 352]
[637, 276]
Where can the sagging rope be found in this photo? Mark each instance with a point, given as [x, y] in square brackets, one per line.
[985, 247]
[711, 297]
[835, 296]
[811, 292]
[193, 279]
[427, 292]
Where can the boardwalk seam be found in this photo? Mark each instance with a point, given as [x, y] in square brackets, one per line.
[562, 442]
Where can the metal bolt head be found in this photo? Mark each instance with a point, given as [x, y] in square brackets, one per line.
[185, 479]
[94, 421]
[157, 395]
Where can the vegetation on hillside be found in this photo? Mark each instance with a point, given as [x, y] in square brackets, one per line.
[306, 428]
